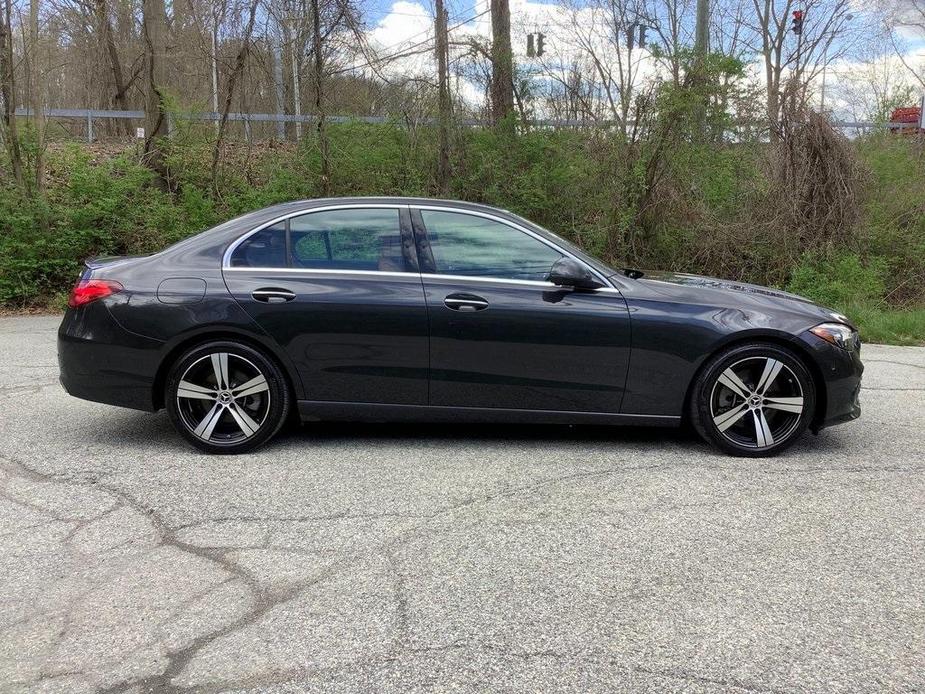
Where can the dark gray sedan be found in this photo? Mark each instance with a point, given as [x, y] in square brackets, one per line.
[392, 309]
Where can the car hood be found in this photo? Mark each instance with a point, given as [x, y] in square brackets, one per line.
[742, 295]
[714, 283]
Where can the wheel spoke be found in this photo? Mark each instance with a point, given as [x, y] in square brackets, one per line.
[207, 425]
[772, 367]
[257, 384]
[247, 425]
[220, 367]
[727, 419]
[194, 392]
[794, 405]
[729, 379]
[762, 431]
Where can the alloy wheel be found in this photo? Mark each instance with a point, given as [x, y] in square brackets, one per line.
[223, 398]
[757, 402]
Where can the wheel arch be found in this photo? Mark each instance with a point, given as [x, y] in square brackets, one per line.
[210, 335]
[775, 338]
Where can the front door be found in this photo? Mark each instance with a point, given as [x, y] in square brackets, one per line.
[501, 335]
[339, 290]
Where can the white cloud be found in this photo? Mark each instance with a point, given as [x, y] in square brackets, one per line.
[408, 27]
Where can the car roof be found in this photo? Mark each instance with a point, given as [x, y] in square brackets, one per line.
[308, 203]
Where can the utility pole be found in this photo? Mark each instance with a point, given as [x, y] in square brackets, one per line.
[296, 94]
[443, 97]
[278, 82]
[796, 86]
[318, 51]
[701, 49]
[702, 30]
[502, 62]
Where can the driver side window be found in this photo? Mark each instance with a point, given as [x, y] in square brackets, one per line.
[465, 244]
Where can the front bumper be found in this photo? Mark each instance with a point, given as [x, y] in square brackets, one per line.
[99, 360]
[841, 372]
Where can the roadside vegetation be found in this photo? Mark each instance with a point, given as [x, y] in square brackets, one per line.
[849, 234]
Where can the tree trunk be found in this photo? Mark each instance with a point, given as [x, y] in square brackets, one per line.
[107, 36]
[36, 102]
[154, 29]
[239, 64]
[502, 63]
[323, 144]
[8, 92]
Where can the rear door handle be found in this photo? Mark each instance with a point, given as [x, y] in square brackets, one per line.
[465, 302]
[273, 295]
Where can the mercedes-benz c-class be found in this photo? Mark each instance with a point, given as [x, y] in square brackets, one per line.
[399, 309]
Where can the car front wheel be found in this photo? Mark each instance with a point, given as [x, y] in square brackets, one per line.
[753, 400]
[226, 397]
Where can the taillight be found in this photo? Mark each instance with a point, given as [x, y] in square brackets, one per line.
[86, 291]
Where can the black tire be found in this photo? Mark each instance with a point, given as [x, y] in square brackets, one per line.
[226, 418]
[740, 413]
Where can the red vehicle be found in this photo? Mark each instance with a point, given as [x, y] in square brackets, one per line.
[907, 119]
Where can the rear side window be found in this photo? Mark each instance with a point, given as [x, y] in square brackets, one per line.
[265, 248]
[358, 239]
[465, 244]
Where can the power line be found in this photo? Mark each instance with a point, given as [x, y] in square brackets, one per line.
[408, 51]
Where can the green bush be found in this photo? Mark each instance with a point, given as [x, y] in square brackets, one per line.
[707, 212]
[839, 281]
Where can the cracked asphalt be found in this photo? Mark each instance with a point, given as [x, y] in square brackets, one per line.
[361, 558]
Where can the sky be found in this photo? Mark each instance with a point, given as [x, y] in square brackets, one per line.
[394, 25]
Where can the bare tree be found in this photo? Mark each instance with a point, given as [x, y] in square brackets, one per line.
[869, 89]
[603, 36]
[35, 80]
[233, 79]
[8, 92]
[108, 39]
[904, 24]
[826, 36]
[154, 29]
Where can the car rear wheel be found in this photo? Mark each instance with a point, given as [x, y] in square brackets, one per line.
[753, 400]
[226, 397]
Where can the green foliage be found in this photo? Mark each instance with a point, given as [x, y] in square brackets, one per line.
[889, 326]
[595, 188]
[839, 281]
[855, 289]
[97, 208]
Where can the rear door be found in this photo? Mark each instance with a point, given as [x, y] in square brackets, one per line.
[504, 337]
[339, 290]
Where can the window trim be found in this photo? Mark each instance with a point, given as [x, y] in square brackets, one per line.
[410, 208]
[232, 247]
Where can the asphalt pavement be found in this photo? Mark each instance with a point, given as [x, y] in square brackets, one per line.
[374, 558]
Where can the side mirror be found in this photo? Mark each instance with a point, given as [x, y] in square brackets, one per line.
[566, 272]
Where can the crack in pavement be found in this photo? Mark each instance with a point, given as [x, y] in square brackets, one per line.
[307, 675]
[262, 603]
[26, 388]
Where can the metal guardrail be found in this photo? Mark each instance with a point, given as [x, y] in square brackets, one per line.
[89, 115]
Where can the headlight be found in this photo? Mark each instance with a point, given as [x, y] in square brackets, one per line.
[838, 334]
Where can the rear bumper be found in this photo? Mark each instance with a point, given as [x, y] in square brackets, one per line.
[841, 372]
[98, 360]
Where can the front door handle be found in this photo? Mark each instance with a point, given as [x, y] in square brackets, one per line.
[465, 302]
[273, 295]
